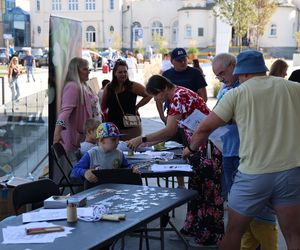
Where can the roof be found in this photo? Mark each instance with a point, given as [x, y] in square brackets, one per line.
[208, 6]
[19, 11]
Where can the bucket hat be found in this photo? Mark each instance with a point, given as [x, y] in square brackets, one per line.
[106, 130]
[249, 62]
[178, 54]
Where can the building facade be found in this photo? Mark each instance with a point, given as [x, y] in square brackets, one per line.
[134, 23]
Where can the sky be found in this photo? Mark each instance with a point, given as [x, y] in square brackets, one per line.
[24, 4]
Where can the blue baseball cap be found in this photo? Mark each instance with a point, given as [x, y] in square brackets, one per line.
[249, 62]
[178, 54]
[106, 130]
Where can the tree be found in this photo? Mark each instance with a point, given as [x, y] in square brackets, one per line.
[263, 11]
[237, 13]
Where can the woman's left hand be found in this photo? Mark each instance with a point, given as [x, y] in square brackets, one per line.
[134, 143]
[186, 153]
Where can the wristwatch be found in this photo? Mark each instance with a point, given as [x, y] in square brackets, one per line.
[191, 150]
[144, 139]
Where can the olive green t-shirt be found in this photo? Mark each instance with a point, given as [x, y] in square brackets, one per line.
[267, 112]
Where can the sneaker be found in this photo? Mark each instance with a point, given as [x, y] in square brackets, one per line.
[175, 237]
[193, 243]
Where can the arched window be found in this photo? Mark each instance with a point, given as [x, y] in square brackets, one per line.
[137, 31]
[38, 5]
[157, 28]
[90, 34]
[111, 29]
[273, 30]
[188, 31]
[175, 32]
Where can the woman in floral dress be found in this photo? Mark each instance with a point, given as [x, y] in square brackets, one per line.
[204, 220]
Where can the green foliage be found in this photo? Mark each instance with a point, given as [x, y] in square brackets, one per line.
[163, 51]
[139, 50]
[159, 42]
[193, 51]
[217, 87]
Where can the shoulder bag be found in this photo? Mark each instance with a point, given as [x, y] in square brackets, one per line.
[129, 120]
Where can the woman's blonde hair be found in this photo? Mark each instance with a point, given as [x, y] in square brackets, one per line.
[73, 73]
[278, 68]
[14, 59]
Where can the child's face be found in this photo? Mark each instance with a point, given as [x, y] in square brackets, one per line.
[109, 144]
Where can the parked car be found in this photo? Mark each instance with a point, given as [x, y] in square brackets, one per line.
[4, 56]
[44, 60]
[37, 54]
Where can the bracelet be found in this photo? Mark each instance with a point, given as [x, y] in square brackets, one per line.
[60, 123]
[191, 150]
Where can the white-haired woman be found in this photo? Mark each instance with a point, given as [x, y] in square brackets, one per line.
[78, 104]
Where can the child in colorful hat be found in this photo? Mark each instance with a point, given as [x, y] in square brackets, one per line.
[105, 156]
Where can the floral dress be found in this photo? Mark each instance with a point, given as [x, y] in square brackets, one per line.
[204, 219]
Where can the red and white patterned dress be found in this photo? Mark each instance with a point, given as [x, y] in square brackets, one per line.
[184, 102]
[204, 219]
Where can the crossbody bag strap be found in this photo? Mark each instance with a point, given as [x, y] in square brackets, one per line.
[119, 103]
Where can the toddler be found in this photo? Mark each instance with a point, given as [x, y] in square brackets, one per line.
[105, 156]
[90, 135]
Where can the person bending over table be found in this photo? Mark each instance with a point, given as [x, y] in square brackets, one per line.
[204, 219]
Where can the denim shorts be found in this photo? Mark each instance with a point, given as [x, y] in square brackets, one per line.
[251, 193]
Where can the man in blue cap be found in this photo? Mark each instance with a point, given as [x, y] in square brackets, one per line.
[183, 75]
[265, 109]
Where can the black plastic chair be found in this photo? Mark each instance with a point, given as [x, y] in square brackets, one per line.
[65, 166]
[120, 176]
[34, 193]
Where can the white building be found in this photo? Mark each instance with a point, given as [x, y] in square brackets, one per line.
[132, 23]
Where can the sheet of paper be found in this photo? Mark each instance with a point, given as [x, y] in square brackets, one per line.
[171, 167]
[17, 234]
[192, 122]
[54, 214]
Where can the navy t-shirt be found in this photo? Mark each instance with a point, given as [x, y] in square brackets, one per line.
[190, 78]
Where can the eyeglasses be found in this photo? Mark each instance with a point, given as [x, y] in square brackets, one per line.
[221, 74]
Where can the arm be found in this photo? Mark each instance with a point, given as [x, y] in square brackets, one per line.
[125, 163]
[9, 73]
[162, 135]
[140, 90]
[82, 169]
[200, 136]
[160, 109]
[202, 93]
[104, 99]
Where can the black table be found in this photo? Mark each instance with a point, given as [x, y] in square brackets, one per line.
[92, 235]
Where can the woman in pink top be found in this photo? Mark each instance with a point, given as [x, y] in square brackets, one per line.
[78, 104]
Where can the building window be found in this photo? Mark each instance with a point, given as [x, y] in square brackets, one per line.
[111, 4]
[73, 4]
[39, 30]
[200, 32]
[188, 31]
[90, 34]
[157, 29]
[38, 5]
[273, 30]
[175, 32]
[111, 29]
[90, 5]
[137, 31]
[56, 5]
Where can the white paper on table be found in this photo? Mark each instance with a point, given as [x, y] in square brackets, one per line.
[54, 214]
[171, 167]
[17, 234]
[161, 154]
[192, 122]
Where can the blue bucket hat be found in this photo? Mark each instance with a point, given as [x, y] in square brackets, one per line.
[249, 62]
[106, 130]
[178, 54]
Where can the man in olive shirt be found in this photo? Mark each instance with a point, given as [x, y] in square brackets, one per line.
[265, 109]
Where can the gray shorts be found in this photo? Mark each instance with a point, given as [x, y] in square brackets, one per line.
[251, 193]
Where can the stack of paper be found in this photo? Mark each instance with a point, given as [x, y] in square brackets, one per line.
[17, 234]
[61, 201]
[171, 167]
